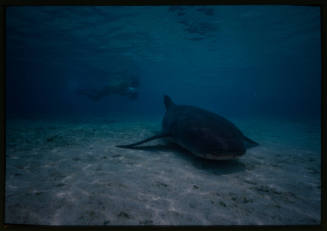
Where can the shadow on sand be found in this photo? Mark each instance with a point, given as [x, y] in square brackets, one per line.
[217, 167]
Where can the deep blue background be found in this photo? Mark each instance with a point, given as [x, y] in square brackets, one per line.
[234, 60]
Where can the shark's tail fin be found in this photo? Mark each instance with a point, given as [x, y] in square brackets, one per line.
[143, 141]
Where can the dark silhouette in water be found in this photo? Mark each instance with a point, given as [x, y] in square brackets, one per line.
[203, 133]
[218, 167]
[124, 88]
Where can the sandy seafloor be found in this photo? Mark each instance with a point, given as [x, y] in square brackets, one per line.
[66, 172]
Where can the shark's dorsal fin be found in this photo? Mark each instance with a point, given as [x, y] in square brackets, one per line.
[168, 102]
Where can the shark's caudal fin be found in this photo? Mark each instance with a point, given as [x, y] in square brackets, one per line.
[249, 143]
[168, 102]
[143, 141]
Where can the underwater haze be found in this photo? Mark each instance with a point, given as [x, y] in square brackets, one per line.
[81, 80]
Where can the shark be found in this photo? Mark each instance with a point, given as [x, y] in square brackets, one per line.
[203, 133]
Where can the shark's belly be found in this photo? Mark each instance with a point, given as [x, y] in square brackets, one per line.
[208, 139]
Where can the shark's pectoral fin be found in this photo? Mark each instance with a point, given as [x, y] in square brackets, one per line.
[249, 143]
[143, 141]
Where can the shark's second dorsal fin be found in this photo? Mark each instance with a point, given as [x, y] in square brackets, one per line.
[168, 102]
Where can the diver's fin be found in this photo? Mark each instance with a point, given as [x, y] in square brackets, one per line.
[143, 141]
[168, 102]
[249, 143]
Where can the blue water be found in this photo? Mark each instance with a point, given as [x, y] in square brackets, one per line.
[234, 60]
[81, 80]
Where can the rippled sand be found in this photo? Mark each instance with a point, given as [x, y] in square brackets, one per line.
[71, 173]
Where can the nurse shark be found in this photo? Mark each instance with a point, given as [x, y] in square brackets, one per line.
[203, 133]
